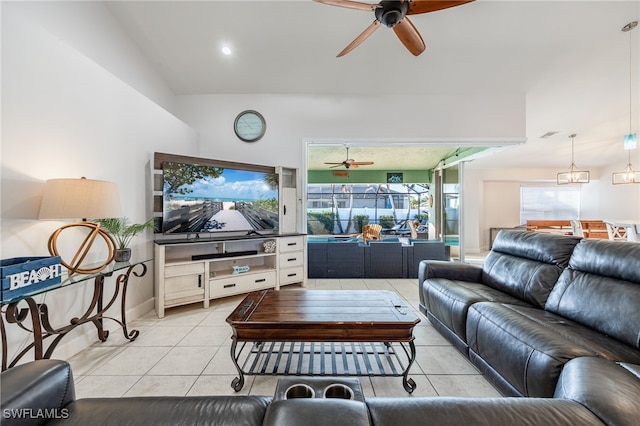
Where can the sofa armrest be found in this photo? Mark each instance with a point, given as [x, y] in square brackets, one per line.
[216, 410]
[609, 389]
[456, 411]
[317, 412]
[45, 385]
[449, 270]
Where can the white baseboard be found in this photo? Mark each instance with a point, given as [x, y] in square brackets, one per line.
[472, 251]
[476, 250]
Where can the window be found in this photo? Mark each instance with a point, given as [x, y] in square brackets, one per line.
[549, 203]
[344, 208]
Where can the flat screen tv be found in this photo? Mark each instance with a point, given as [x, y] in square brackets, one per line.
[211, 199]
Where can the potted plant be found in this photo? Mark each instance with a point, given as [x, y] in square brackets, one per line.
[386, 220]
[359, 221]
[123, 232]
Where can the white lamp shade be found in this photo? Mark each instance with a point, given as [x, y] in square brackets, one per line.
[630, 141]
[79, 199]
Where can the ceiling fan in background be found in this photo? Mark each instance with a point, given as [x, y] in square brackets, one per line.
[350, 163]
[393, 14]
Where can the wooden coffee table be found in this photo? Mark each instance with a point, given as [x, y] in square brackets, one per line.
[323, 332]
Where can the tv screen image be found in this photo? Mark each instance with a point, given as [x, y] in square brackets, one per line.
[212, 199]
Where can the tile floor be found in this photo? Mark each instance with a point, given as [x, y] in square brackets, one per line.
[188, 353]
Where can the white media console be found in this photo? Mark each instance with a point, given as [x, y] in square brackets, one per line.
[197, 271]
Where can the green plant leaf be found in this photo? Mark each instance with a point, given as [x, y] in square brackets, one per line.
[121, 231]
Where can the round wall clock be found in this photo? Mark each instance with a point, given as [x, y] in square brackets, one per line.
[250, 126]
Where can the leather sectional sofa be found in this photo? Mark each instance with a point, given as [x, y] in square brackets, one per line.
[538, 301]
[591, 391]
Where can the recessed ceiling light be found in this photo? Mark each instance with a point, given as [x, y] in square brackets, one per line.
[226, 50]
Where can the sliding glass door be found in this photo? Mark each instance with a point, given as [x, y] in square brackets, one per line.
[449, 212]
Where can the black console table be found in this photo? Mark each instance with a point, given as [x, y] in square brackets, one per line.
[19, 310]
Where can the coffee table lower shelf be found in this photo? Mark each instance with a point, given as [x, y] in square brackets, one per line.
[323, 359]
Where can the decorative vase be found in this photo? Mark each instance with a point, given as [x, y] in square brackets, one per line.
[122, 255]
[269, 246]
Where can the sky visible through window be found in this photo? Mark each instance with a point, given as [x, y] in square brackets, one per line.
[549, 203]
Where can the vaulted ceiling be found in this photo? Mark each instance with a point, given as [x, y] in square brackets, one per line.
[569, 58]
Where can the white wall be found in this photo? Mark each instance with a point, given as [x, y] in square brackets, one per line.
[294, 119]
[500, 204]
[64, 115]
[89, 27]
[619, 201]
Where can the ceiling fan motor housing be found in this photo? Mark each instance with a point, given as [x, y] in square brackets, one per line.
[391, 12]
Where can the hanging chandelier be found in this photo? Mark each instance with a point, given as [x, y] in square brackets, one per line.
[630, 140]
[573, 175]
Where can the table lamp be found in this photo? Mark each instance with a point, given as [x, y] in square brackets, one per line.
[81, 199]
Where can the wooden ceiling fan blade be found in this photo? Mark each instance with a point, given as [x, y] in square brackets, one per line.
[349, 4]
[425, 6]
[362, 163]
[409, 36]
[336, 165]
[362, 37]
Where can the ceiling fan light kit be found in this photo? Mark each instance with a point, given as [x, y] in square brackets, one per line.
[630, 140]
[390, 14]
[393, 14]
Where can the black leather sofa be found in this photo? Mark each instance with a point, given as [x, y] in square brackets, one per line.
[539, 301]
[591, 391]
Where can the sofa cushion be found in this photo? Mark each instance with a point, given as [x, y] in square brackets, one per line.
[547, 248]
[169, 411]
[602, 281]
[528, 347]
[608, 389]
[478, 412]
[46, 385]
[614, 259]
[526, 265]
[448, 301]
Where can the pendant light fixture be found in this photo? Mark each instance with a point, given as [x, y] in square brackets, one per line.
[631, 139]
[573, 175]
